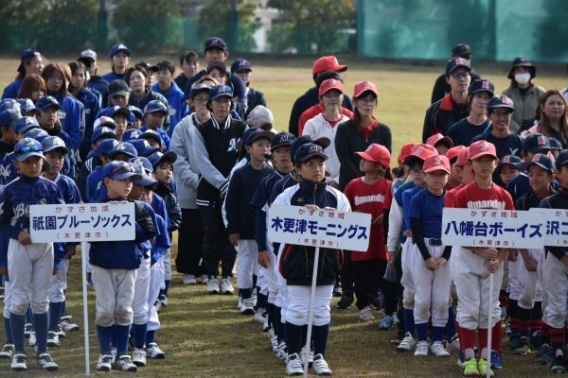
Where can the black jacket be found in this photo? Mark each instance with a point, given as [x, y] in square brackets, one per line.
[350, 139]
[441, 115]
[254, 98]
[172, 205]
[442, 88]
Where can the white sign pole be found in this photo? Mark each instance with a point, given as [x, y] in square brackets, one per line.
[85, 309]
[490, 322]
[311, 312]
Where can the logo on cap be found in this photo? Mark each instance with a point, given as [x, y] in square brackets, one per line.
[284, 138]
[418, 150]
[121, 147]
[507, 159]
[485, 84]
[536, 158]
[460, 61]
[541, 140]
[314, 148]
[483, 146]
[438, 160]
[506, 100]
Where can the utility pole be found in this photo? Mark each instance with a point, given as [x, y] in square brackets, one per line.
[102, 30]
[234, 27]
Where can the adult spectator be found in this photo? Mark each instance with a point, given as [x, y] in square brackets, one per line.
[96, 83]
[141, 93]
[524, 93]
[441, 86]
[167, 87]
[553, 118]
[31, 62]
[120, 59]
[243, 69]
[453, 107]
[311, 98]
[189, 64]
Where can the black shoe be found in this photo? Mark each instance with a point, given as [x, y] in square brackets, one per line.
[345, 302]
[337, 292]
[558, 366]
[514, 339]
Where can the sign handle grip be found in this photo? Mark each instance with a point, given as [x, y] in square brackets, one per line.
[311, 311]
[84, 248]
[490, 322]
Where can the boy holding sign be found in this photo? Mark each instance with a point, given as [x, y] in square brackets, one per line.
[473, 266]
[30, 265]
[297, 261]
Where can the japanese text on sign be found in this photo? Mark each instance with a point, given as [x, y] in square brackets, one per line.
[555, 225]
[82, 222]
[324, 228]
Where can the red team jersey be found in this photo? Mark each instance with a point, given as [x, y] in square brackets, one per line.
[473, 197]
[371, 199]
[450, 194]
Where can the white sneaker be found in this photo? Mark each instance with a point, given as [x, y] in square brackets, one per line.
[52, 339]
[266, 326]
[453, 345]
[124, 363]
[7, 351]
[282, 351]
[164, 300]
[28, 330]
[320, 366]
[46, 362]
[366, 314]
[104, 363]
[406, 344]
[60, 332]
[154, 352]
[19, 362]
[213, 286]
[247, 306]
[260, 316]
[438, 350]
[32, 340]
[139, 357]
[421, 349]
[274, 342]
[227, 286]
[204, 278]
[67, 324]
[189, 279]
[303, 356]
[294, 365]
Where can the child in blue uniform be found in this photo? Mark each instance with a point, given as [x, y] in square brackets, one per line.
[30, 264]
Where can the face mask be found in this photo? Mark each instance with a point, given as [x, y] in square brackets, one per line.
[523, 78]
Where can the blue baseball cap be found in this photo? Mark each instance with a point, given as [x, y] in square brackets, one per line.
[27, 105]
[103, 132]
[120, 170]
[47, 102]
[562, 159]
[500, 102]
[157, 158]
[196, 89]
[257, 134]
[155, 106]
[54, 143]
[104, 120]
[125, 148]
[25, 124]
[142, 165]
[9, 117]
[220, 91]
[118, 88]
[479, 86]
[555, 144]
[27, 148]
[37, 134]
[240, 65]
[10, 103]
[142, 147]
[512, 160]
[106, 147]
[149, 133]
[542, 161]
[282, 139]
[114, 110]
[215, 43]
[535, 143]
[456, 63]
[300, 141]
[308, 151]
[118, 48]
[136, 111]
[131, 134]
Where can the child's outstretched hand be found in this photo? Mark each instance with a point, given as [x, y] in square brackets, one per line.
[24, 238]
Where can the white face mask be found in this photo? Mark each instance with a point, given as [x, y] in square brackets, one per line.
[523, 78]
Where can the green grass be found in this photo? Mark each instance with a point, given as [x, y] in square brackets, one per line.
[204, 336]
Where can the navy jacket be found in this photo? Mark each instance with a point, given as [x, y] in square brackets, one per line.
[260, 203]
[12, 90]
[168, 194]
[92, 106]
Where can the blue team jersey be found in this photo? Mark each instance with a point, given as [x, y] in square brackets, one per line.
[8, 171]
[428, 208]
[406, 198]
[96, 188]
[177, 107]
[12, 90]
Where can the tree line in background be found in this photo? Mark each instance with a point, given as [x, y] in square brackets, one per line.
[66, 26]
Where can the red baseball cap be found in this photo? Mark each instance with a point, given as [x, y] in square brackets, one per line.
[328, 63]
[454, 152]
[436, 163]
[330, 84]
[463, 157]
[482, 148]
[405, 152]
[365, 86]
[422, 152]
[377, 154]
[439, 138]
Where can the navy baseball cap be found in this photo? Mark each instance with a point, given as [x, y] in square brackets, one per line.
[118, 48]
[142, 147]
[156, 106]
[47, 102]
[105, 121]
[115, 110]
[10, 103]
[153, 134]
[542, 161]
[107, 146]
[535, 143]
[300, 141]
[308, 151]
[25, 124]
[240, 65]
[27, 148]
[9, 117]
[131, 134]
[118, 88]
[562, 159]
[157, 158]
[256, 134]
[282, 139]
[196, 89]
[215, 43]
[138, 113]
[120, 170]
[26, 104]
[54, 143]
[500, 102]
[142, 166]
[125, 148]
[217, 65]
[220, 91]
[37, 134]
[479, 86]
[27, 54]
[555, 144]
[454, 64]
[103, 132]
[512, 160]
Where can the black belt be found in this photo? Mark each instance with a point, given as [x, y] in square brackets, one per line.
[433, 242]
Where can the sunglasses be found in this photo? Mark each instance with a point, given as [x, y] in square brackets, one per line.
[29, 148]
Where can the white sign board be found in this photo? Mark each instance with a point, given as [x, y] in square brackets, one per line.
[493, 228]
[323, 228]
[555, 225]
[88, 222]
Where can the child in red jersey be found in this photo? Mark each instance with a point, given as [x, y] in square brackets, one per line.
[372, 194]
[473, 266]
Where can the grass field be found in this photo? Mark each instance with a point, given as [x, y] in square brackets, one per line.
[204, 336]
